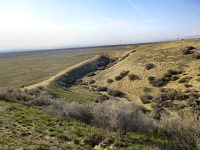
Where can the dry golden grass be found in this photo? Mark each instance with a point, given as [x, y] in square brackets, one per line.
[165, 56]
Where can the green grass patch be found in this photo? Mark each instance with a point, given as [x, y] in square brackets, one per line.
[34, 129]
[75, 93]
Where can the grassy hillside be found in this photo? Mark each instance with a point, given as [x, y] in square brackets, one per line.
[134, 97]
[152, 67]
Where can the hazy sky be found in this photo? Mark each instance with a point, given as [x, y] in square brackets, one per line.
[59, 23]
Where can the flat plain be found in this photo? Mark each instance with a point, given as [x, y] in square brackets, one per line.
[27, 68]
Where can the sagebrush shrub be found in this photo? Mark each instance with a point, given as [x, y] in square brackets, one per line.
[184, 128]
[117, 78]
[102, 98]
[124, 73]
[121, 116]
[133, 77]
[102, 88]
[146, 98]
[188, 50]
[149, 66]
[171, 75]
[91, 82]
[116, 93]
[170, 94]
[110, 81]
[121, 76]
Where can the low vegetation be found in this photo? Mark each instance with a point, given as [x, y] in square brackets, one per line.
[149, 66]
[188, 50]
[116, 93]
[133, 77]
[185, 79]
[170, 94]
[124, 118]
[102, 89]
[146, 98]
[185, 129]
[171, 75]
[121, 76]
[197, 56]
[88, 113]
[102, 98]
[110, 81]
[117, 78]
[91, 82]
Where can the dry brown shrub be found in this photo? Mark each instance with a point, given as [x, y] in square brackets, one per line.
[185, 128]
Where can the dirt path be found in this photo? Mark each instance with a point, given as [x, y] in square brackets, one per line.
[47, 82]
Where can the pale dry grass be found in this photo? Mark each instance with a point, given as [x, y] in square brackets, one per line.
[165, 56]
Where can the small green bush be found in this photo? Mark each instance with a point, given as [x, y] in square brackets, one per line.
[102, 88]
[188, 50]
[174, 78]
[188, 85]
[171, 75]
[169, 94]
[124, 73]
[149, 66]
[117, 78]
[91, 81]
[146, 89]
[102, 98]
[116, 93]
[133, 77]
[173, 72]
[185, 79]
[158, 82]
[110, 81]
[146, 98]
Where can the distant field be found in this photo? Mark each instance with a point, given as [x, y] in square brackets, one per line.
[26, 68]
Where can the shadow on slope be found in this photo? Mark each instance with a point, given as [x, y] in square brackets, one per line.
[79, 72]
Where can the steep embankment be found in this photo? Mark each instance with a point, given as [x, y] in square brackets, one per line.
[80, 70]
